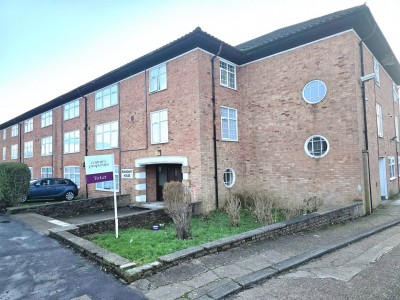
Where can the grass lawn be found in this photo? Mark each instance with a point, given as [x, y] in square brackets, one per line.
[144, 245]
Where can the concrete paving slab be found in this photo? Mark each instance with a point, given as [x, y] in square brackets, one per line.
[231, 271]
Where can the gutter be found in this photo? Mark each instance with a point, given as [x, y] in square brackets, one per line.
[215, 127]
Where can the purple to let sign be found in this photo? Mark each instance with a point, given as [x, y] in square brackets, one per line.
[92, 178]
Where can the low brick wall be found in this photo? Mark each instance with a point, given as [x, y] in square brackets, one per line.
[74, 207]
[132, 273]
[146, 218]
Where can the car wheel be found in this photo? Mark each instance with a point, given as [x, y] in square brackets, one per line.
[69, 196]
[23, 199]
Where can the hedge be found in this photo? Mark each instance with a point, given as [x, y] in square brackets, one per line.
[14, 182]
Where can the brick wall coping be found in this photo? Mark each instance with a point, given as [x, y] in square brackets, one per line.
[128, 270]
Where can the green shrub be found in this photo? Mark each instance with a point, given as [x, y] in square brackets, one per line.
[14, 183]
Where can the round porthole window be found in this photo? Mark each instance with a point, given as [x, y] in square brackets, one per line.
[316, 146]
[229, 177]
[314, 91]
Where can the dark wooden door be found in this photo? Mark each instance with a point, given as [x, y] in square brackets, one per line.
[167, 173]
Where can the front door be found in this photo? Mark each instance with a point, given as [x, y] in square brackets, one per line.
[167, 173]
[382, 177]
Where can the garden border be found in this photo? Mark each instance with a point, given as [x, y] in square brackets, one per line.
[129, 272]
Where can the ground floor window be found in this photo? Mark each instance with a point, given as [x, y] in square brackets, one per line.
[109, 185]
[31, 170]
[46, 172]
[73, 173]
[392, 168]
[316, 146]
[229, 177]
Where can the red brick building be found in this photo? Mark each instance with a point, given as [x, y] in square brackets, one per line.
[307, 110]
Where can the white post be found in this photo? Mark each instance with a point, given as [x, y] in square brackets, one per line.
[115, 200]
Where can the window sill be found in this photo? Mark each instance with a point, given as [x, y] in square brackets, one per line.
[71, 118]
[104, 190]
[228, 140]
[228, 87]
[98, 109]
[156, 91]
[46, 154]
[392, 178]
[106, 149]
[65, 153]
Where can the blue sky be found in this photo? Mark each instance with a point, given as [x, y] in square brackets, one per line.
[49, 47]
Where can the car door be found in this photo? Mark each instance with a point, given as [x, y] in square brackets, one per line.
[59, 187]
[40, 189]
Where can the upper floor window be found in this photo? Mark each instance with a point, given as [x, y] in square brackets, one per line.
[107, 136]
[314, 91]
[71, 141]
[4, 134]
[159, 126]
[47, 119]
[4, 153]
[28, 149]
[395, 92]
[73, 173]
[379, 120]
[28, 125]
[316, 146]
[47, 146]
[14, 130]
[107, 97]
[376, 71]
[14, 151]
[46, 172]
[71, 110]
[109, 185]
[227, 76]
[229, 127]
[392, 168]
[396, 127]
[158, 78]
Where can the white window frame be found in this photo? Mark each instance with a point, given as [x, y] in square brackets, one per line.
[4, 134]
[71, 110]
[108, 186]
[106, 97]
[14, 151]
[106, 132]
[232, 176]
[226, 71]
[73, 173]
[28, 149]
[14, 130]
[379, 120]
[71, 142]
[46, 146]
[314, 84]
[31, 170]
[44, 172]
[395, 93]
[392, 167]
[231, 122]
[4, 153]
[396, 127]
[28, 125]
[46, 119]
[376, 72]
[159, 126]
[312, 138]
[158, 78]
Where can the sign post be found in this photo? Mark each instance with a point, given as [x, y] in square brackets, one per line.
[101, 168]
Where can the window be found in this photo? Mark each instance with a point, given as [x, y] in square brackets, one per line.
[47, 119]
[392, 169]
[71, 141]
[396, 127]
[227, 74]
[28, 125]
[4, 153]
[379, 120]
[73, 173]
[229, 177]
[107, 136]
[31, 170]
[28, 149]
[71, 110]
[107, 97]
[159, 126]
[14, 151]
[14, 130]
[158, 78]
[398, 164]
[229, 124]
[109, 185]
[376, 71]
[395, 93]
[46, 172]
[47, 145]
[4, 134]
[314, 91]
[316, 146]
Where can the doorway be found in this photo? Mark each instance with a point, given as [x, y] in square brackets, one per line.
[382, 178]
[166, 173]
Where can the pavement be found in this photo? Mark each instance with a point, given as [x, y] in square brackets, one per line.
[225, 274]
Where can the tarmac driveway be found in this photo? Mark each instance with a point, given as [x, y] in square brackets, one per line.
[33, 266]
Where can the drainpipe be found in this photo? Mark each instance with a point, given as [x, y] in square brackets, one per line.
[364, 101]
[215, 127]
